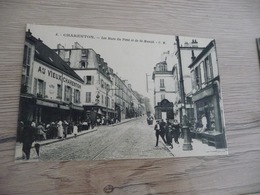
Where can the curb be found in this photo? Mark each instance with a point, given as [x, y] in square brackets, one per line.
[59, 140]
[122, 122]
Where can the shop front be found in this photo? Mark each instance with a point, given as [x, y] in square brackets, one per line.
[208, 116]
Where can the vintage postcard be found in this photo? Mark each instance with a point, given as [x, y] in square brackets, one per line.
[89, 94]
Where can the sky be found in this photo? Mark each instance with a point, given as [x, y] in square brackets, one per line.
[132, 55]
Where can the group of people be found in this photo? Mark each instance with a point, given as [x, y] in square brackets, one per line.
[29, 132]
[167, 130]
[103, 121]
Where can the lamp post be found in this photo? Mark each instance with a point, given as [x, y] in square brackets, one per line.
[186, 131]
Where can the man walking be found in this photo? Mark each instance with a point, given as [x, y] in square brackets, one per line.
[158, 130]
[163, 130]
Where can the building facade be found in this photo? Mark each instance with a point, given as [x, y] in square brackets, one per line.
[206, 95]
[164, 89]
[50, 89]
[188, 52]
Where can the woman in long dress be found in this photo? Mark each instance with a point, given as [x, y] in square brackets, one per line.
[60, 130]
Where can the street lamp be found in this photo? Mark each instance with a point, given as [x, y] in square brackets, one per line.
[186, 131]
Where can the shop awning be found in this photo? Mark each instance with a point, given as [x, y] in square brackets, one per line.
[64, 107]
[108, 110]
[77, 107]
[48, 104]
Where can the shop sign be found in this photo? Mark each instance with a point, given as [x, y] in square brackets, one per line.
[203, 94]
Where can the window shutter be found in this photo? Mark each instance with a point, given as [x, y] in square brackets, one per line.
[92, 80]
[70, 94]
[44, 89]
[35, 87]
[65, 96]
[85, 79]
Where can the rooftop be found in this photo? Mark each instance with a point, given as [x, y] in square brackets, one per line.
[47, 55]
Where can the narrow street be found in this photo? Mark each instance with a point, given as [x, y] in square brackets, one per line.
[131, 140]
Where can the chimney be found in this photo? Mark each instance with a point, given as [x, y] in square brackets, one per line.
[192, 56]
[194, 43]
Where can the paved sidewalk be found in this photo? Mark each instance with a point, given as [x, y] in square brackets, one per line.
[18, 148]
[199, 149]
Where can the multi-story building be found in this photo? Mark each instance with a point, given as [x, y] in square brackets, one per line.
[50, 89]
[206, 95]
[164, 88]
[98, 98]
[188, 51]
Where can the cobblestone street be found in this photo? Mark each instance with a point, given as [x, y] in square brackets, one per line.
[131, 140]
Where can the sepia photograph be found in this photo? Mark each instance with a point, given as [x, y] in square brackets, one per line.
[91, 94]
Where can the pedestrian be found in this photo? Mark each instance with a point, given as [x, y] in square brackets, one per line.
[157, 132]
[169, 133]
[162, 132]
[20, 129]
[157, 129]
[60, 129]
[65, 128]
[176, 131]
[75, 130]
[41, 132]
[28, 138]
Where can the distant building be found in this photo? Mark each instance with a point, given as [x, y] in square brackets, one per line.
[164, 88]
[125, 100]
[50, 89]
[206, 95]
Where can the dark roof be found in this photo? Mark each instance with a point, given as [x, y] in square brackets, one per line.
[203, 52]
[47, 55]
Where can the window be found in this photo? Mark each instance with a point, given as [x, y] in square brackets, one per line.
[26, 69]
[107, 87]
[88, 97]
[163, 67]
[102, 83]
[162, 96]
[68, 93]
[89, 80]
[39, 88]
[161, 83]
[59, 91]
[113, 103]
[202, 72]
[76, 96]
[27, 55]
[197, 77]
[83, 64]
[102, 99]
[208, 68]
